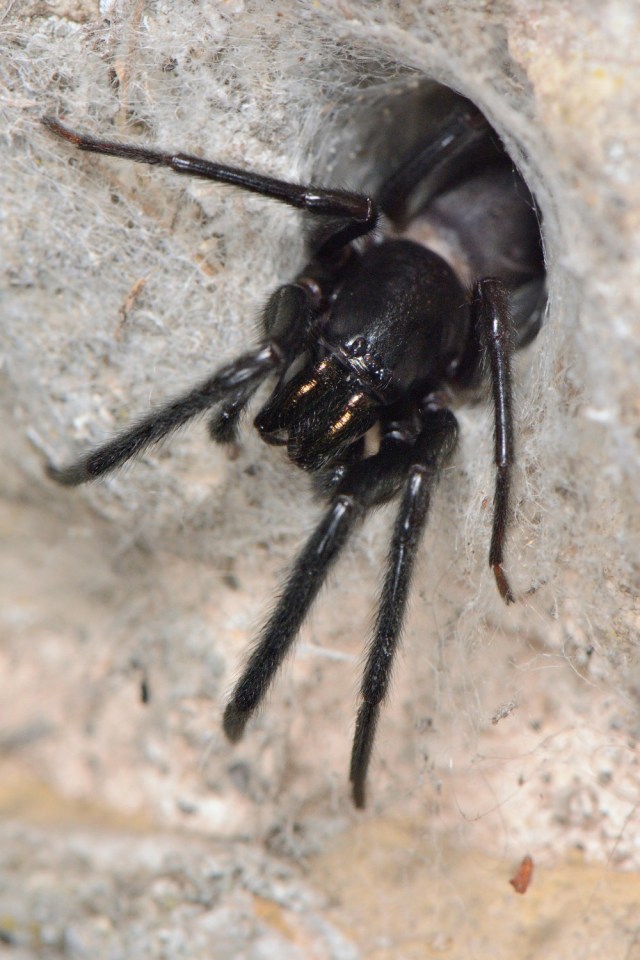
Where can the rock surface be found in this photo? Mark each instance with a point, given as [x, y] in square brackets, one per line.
[132, 828]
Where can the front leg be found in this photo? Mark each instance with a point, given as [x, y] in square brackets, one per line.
[495, 329]
[422, 462]
[355, 214]
[240, 374]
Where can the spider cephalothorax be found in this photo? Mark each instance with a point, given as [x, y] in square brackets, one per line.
[375, 331]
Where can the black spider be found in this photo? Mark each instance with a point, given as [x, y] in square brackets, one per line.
[375, 331]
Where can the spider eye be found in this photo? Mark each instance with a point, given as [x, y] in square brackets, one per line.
[357, 347]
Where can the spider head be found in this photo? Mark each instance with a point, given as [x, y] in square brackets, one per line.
[317, 414]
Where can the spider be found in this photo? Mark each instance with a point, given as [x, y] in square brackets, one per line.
[367, 346]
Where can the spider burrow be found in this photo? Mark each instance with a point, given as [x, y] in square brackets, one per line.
[376, 330]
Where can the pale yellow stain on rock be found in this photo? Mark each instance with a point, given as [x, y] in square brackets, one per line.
[400, 894]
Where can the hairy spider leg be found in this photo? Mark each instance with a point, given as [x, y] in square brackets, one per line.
[358, 213]
[365, 484]
[246, 370]
[495, 330]
[286, 320]
[433, 446]
[224, 424]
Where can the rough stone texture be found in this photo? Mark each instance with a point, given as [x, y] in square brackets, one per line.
[508, 731]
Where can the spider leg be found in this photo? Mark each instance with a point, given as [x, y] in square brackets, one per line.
[454, 143]
[224, 424]
[364, 485]
[528, 304]
[286, 319]
[433, 446]
[491, 304]
[248, 369]
[359, 211]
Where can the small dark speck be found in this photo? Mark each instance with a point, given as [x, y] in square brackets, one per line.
[423, 724]
[240, 775]
[169, 65]
[230, 580]
[145, 693]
